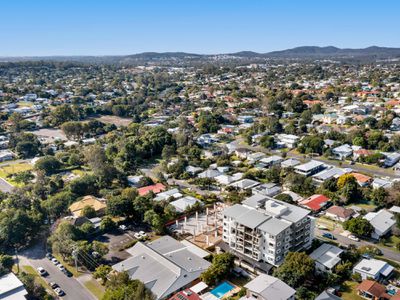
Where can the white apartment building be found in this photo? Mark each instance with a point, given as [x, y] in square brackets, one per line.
[265, 229]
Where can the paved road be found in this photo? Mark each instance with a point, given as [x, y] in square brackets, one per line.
[74, 290]
[5, 187]
[390, 254]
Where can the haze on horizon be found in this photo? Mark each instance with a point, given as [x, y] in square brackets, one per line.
[46, 28]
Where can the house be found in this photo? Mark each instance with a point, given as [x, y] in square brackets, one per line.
[327, 295]
[166, 195]
[381, 183]
[272, 160]
[290, 163]
[315, 202]
[342, 151]
[245, 184]
[99, 205]
[165, 265]
[310, 168]
[266, 287]
[6, 155]
[184, 203]
[382, 221]
[134, 181]
[155, 188]
[373, 268]
[295, 197]
[242, 153]
[287, 140]
[334, 172]
[391, 159]
[255, 157]
[267, 189]
[362, 180]
[361, 153]
[224, 179]
[186, 294]
[326, 257]
[209, 173]
[11, 288]
[193, 170]
[339, 213]
[370, 289]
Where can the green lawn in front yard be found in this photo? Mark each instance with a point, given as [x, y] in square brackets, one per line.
[349, 292]
[38, 279]
[390, 242]
[95, 288]
[13, 168]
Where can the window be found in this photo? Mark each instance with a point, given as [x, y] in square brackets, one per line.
[278, 251]
[279, 244]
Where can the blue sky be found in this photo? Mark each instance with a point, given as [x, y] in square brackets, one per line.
[117, 27]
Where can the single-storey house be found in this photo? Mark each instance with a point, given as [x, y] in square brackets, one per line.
[382, 221]
[155, 188]
[315, 202]
[266, 287]
[373, 268]
[339, 213]
[326, 257]
[99, 205]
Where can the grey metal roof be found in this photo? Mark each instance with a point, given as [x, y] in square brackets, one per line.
[327, 296]
[381, 221]
[327, 255]
[270, 288]
[235, 211]
[164, 265]
[274, 226]
[309, 166]
[252, 218]
[327, 174]
[255, 201]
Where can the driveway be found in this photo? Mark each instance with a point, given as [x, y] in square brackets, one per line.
[5, 187]
[73, 289]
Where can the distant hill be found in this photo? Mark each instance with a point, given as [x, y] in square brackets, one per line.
[306, 52]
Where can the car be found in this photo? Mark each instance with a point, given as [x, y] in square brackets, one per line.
[42, 272]
[354, 238]
[322, 227]
[49, 255]
[53, 285]
[55, 261]
[60, 267]
[123, 227]
[67, 273]
[366, 256]
[328, 235]
[137, 235]
[59, 291]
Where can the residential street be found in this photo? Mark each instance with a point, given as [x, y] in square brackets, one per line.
[73, 289]
[390, 254]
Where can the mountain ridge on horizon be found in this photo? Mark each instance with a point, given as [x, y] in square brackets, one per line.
[296, 52]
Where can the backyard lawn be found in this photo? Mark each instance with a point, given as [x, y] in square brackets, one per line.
[14, 168]
[349, 291]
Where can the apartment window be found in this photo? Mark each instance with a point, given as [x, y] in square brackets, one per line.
[272, 236]
[308, 226]
[278, 251]
[307, 232]
[271, 251]
[287, 246]
[279, 236]
[278, 258]
[279, 244]
[298, 224]
[304, 220]
[287, 239]
[271, 244]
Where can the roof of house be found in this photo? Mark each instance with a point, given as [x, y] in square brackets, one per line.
[185, 202]
[325, 295]
[164, 265]
[309, 166]
[381, 220]
[187, 294]
[340, 211]
[11, 288]
[315, 202]
[372, 287]
[327, 255]
[373, 267]
[155, 188]
[91, 201]
[361, 178]
[270, 288]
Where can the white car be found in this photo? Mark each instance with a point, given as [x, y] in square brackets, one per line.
[61, 267]
[123, 227]
[55, 261]
[42, 271]
[353, 237]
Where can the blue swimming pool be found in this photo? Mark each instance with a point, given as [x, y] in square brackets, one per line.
[222, 289]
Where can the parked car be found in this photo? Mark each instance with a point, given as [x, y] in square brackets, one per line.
[55, 261]
[42, 271]
[67, 273]
[61, 267]
[123, 227]
[353, 237]
[53, 285]
[59, 291]
[49, 255]
[328, 235]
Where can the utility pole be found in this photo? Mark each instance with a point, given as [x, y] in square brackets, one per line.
[75, 256]
[17, 259]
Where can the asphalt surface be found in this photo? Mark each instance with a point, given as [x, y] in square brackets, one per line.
[390, 254]
[5, 187]
[73, 289]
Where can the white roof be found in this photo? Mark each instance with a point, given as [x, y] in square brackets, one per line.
[13, 287]
[198, 288]
[183, 203]
[381, 220]
[270, 288]
[373, 267]
[327, 255]
[395, 209]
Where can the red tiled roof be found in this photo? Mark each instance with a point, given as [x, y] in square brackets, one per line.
[340, 211]
[372, 287]
[185, 295]
[361, 177]
[315, 202]
[155, 188]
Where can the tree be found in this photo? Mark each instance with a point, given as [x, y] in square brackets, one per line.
[285, 197]
[379, 196]
[102, 272]
[120, 287]
[155, 220]
[49, 164]
[119, 206]
[358, 226]
[107, 224]
[88, 212]
[222, 264]
[73, 130]
[296, 269]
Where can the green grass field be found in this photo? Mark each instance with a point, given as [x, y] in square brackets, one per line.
[349, 291]
[12, 169]
[95, 288]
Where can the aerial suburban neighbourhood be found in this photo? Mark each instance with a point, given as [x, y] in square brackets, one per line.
[180, 176]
